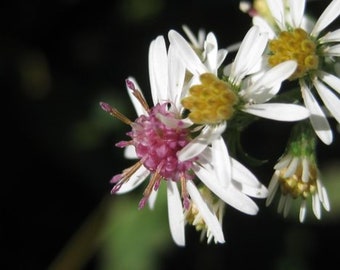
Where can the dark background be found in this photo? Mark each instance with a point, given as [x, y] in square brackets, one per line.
[58, 59]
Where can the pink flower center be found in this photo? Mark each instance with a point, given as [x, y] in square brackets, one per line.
[157, 144]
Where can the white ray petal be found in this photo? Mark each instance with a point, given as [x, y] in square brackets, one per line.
[278, 111]
[136, 104]
[135, 180]
[316, 206]
[332, 51]
[277, 10]
[175, 214]
[158, 69]
[199, 143]
[303, 211]
[297, 9]
[209, 218]
[264, 26]
[331, 101]
[242, 174]
[152, 199]
[317, 117]
[231, 195]
[130, 152]
[190, 58]
[176, 77]
[331, 12]
[330, 79]
[221, 161]
[333, 36]
[249, 54]
[264, 88]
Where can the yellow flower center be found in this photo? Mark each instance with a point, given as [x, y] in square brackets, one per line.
[210, 102]
[295, 187]
[295, 45]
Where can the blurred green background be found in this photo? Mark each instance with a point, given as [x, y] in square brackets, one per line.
[58, 60]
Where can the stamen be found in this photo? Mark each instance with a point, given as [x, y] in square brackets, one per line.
[125, 176]
[137, 93]
[114, 112]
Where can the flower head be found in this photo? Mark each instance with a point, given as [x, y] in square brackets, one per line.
[297, 176]
[314, 50]
[156, 137]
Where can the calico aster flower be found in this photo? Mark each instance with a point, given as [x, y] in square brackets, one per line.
[211, 101]
[297, 177]
[314, 49]
[158, 134]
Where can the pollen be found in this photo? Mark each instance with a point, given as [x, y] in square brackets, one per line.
[295, 186]
[294, 45]
[210, 102]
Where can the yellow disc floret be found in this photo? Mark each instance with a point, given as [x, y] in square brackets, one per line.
[210, 102]
[295, 186]
[294, 45]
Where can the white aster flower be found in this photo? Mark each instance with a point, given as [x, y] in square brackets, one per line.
[315, 51]
[158, 134]
[211, 115]
[297, 178]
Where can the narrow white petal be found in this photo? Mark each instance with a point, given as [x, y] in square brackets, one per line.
[332, 50]
[135, 180]
[316, 206]
[136, 104]
[158, 69]
[328, 16]
[297, 9]
[291, 169]
[243, 175]
[198, 144]
[325, 200]
[187, 54]
[305, 170]
[209, 218]
[331, 101]
[249, 53]
[303, 211]
[130, 152]
[277, 10]
[211, 48]
[191, 36]
[221, 161]
[287, 207]
[152, 199]
[231, 195]
[267, 86]
[333, 36]
[278, 111]
[330, 79]
[283, 162]
[255, 192]
[175, 213]
[317, 117]
[264, 26]
[176, 77]
[273, 187]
